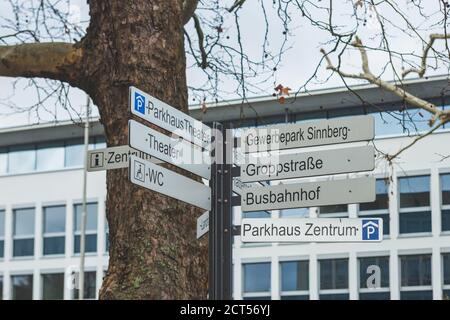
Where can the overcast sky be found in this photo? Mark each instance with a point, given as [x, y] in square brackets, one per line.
[298, 63]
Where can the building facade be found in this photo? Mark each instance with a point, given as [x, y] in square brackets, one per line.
[41, 176]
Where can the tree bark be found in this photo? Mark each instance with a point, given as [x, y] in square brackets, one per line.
[154, 253]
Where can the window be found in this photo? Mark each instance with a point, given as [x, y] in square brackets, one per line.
[2, 233]
[50, 156]
[256, 279]
[107, 237]
[1, 287]
[74, 153]
[53, 286]
[90, 287]
[22, 287]
[91, 227]
[382, 197]
[445, 210]
[256, 214]
[380, 207]
[294, 280]
[416, 277]
[446, 273]
[100, 142]
[333, 277]
[54, 230]
[380, 293]
[415, 211]
[297, 213]
[22, 159]
[340, 210]
[3, 160]
[23, 238]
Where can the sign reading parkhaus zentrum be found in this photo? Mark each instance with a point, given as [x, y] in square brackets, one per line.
[264, 162]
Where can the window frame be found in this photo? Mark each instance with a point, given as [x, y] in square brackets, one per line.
[332, 291]
[256, 294]
[288, 293]
[23, 237]
[444, 207]
[403, 288]
[407, 210]
[47, 235]
[77, 233]
[2, 237]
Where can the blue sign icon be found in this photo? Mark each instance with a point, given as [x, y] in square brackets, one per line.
[370, 229]
[139, 103]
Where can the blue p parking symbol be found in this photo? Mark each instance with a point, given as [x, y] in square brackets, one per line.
[370, 229]
[139, 103]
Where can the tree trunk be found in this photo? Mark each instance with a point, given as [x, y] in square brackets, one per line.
[154, 253]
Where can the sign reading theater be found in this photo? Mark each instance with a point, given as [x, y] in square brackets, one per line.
[167, 117]
[314, 133]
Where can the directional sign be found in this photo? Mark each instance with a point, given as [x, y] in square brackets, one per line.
[202, 224]
[312, 230]
[164, 116]
[175, 151]
[309, 194]
[307, 164]
[308, 134]
[159, 179]
[114, 158]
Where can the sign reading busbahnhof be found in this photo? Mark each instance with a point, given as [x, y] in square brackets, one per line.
[309, 194]
[312, 230]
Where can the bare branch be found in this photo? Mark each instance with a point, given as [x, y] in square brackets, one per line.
[236, 5]
[423, 67]
[391, 87]
[198, 29]
[54, 60]
[189, 7]
[417, 139]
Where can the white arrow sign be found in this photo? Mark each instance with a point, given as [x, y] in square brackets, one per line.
[307, 164]
[164, 116]
[175, 151]
[312, 230]
[114, 158]
[309, 194]
[202, 224]
[308, 134]
[159, 179]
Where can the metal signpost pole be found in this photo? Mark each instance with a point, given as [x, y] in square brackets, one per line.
[84, 215]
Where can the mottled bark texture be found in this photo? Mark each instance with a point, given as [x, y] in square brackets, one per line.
[154, 253]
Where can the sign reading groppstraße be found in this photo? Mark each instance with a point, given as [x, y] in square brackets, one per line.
[312, 230]
[308, 134]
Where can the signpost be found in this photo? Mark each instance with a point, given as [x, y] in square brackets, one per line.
[114, 158]
[177, 152]
[309, 194]
[169, 183]
[187, 152]
[308, 134]
[169, 118]
[203, 224]
[312, 230]
[308, 164]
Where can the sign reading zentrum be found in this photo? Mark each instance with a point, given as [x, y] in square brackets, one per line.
[167, 117]
[314, 133]
[312, 230]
